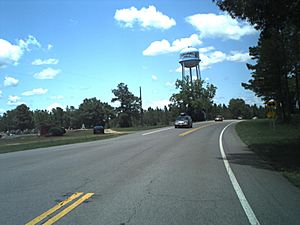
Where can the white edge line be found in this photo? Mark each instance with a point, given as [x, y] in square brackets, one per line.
[156, 131]
[246, 206]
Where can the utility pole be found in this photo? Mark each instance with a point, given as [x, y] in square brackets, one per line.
[141, 106]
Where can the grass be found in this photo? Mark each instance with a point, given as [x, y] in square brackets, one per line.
[279, 146]
[21, 143]
[140, 128]
[30, 142]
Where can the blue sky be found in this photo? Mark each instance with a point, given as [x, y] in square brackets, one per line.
[56, 53]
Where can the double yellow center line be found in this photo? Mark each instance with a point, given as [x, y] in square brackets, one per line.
[60, 205]
[195, 129]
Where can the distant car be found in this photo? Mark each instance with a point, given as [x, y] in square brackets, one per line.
[183, 121]
[240, 118]
[98, 130]
[219, 118]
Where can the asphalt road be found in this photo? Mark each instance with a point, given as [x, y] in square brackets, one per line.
[166, 176]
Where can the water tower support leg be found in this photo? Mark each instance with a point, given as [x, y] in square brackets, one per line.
[191, 75]
[197, 72]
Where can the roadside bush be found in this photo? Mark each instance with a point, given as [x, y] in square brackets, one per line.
[57, 131]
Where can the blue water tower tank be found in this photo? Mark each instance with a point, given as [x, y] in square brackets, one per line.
[189, 57]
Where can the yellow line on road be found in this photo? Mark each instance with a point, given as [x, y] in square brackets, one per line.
[68, 209]
[193, 130]
[55, 208]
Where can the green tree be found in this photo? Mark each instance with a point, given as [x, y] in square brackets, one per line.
[193, 98]
[92, 112]
[129, 105]
[23, 117]
[238, 108]
[42, 118]
[58, 116]
[277, 54]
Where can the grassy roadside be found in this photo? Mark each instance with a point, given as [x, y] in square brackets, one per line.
[279, 146]
[76, 136]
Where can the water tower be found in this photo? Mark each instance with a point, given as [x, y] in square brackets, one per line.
[189, 58]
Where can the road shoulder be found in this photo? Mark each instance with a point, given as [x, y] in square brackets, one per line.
[267, 191]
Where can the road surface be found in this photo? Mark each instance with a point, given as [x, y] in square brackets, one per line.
[164, 176]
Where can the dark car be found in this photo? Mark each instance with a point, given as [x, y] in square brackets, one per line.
[219, 118]
[183, 121]
[98, 130]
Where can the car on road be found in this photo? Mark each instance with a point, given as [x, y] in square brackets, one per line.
[183, 120]
[219, 118]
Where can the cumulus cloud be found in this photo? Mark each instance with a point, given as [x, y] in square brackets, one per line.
[10, 81]
[163, 46]
[11, 54]
[54, 105]
[50, 61]
[145, 17]
[209, 56]
[14, 100]
[36, 91]
[206, 49]
[48, 73]
[154, 77]
[238, 56]
[220, 26]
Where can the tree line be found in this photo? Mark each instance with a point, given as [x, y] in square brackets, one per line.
[192, 98]
[275, 73]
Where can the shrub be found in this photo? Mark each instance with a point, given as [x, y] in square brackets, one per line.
[57, 131]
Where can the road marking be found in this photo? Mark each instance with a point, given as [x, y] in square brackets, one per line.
[246, 206]
[60, 205]
[156, 131]
[55, 208]
[68, 209]
[193, 130]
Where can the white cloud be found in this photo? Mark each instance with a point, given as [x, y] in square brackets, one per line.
[57, 97]
[10, 81]
[163, 46]
[54, 105]
[209, 57]
[145, 17]
[48, 73]
[49, 47]
[1, 94]
[238, 56]
[14, 100]
[206, 49]
[154, 77]
[50, 61]
[9, 53]
[24, 44]
[220, 26]
[36, 91]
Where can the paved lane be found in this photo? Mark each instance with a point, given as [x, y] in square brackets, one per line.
[144, 178]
